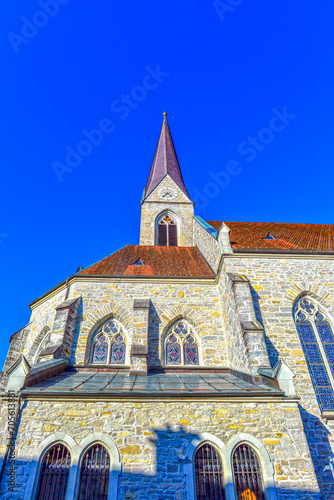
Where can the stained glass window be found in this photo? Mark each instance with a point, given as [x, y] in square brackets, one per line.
[94, 474]
[118, 350]
[173, 351]
[53, 476]
[109, 345]
[190, 351]
[247, 473]
[209, 474]
[181, 346]
[100, 351]
[317, 340]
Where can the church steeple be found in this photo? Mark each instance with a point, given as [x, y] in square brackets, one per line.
[164, 162]
[166, 208]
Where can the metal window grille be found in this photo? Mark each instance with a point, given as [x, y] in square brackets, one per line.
[94, 474]
[247, 474]
[209, 474]
[54, 473]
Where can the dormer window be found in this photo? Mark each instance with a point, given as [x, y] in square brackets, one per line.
[167, 231]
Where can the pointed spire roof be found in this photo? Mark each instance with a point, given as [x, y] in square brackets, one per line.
[165, 161]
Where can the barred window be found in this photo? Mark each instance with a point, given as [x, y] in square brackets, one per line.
[209, 474]
[109, 344]
[247, 473]
[94, 474]
[317, 339]
[167, 231]
[181, 347]
[53, 476]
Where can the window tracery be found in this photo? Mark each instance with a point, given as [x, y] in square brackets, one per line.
[167, 230]
[317, 339]
[109, 344]
[181, 347]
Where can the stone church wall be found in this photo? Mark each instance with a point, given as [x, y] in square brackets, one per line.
[207, 245]
[276, 284]
[235, 345]
[197, 303]
[153, 439]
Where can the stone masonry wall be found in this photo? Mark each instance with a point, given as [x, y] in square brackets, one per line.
[276, 284]
[153, 438]
[235, 345]
[207, 245]
[182, 207]
[198, 303]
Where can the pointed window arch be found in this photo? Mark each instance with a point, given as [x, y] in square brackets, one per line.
[94, 474]
[247, 473]
[54, 472]
[317, 339]
[167, 230]
[109, 344]
[209, 473]
[181, 347]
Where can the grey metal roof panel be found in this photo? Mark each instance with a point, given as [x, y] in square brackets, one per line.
[154, 384]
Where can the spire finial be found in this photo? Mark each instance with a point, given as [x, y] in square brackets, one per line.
[164, 113]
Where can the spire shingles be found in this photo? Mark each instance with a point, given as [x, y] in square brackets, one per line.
[165, 162]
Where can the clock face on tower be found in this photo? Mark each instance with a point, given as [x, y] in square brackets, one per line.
[167, 193]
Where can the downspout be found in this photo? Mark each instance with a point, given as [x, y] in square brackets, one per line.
[10, 437]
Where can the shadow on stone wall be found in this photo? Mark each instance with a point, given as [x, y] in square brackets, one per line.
[168, 481]
[320, 450]
[272, 351]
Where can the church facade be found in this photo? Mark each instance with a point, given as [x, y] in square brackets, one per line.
[196, 365]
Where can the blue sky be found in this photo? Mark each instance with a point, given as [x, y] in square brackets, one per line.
[224, 70]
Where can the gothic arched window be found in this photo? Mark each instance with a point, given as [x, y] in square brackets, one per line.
[53, 476]
[181, 347]
[94, 474]
[109, 344]
[209, 474]
[167, 231]
[247, 473]
[317, 339]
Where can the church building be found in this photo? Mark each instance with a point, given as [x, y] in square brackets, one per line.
[197, 365]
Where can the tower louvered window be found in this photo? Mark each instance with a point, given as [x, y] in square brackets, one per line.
[167, 232]
[53, 477]
[317, 339]
[247, 473]
[94, 474]
[209, 474]
[181, 346]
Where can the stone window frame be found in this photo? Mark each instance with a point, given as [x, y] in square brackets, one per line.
[110, 340]
[318, 308]
[226, 452]
[77, 451]
[176, 220]
[181, 341]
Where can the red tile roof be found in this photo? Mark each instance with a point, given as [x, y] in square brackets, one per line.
[158, 261]
[294, 237]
